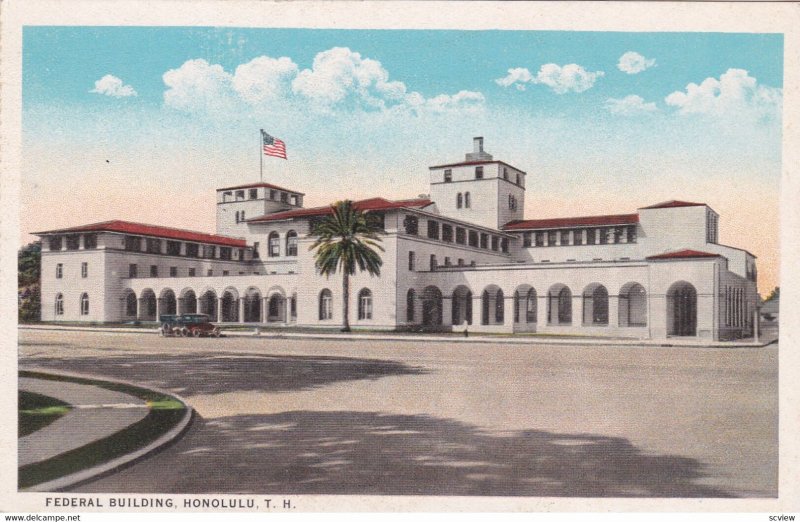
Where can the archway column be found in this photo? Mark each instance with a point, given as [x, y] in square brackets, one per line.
[577, 310]
[140, 305]
[262, 315]
[219, 309]
[159, 307]
[542, 301]
[180, 304]
[613, 310]
[241, 309]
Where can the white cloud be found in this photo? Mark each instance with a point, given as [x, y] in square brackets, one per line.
[197, 84]
[570, 77]
[264, 78]
[110, 85]
[517, 77]
[561, 79]
[634, 63]
[339, 79]
[630, 105]
[734, 93]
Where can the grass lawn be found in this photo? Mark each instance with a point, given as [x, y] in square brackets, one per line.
[165, 412]
[37, 411]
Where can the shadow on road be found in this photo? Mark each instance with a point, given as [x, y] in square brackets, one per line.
[225, 373]
[311, 452]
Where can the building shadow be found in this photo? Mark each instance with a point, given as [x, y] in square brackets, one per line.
[224, 373]
[369, 453]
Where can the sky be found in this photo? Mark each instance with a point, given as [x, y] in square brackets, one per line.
[144, 123]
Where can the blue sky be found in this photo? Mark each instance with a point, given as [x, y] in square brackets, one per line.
[602, 122]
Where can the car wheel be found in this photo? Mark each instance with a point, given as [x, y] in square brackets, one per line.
[216, 332]
[196, 332]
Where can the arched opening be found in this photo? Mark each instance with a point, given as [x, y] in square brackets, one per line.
[559, 305]
[60, 304]
[276, 308]
[208, 304]
[187, 302]
[130, 305]
[492, 306]
[325, 305]
[682, 309]
[525, 305]
[410, 305]
[632, 305]
[595, 305]
[462, 305]
[291, 243]
[168, 303]
[431, 306]
[252, 306]
[84, 304]
[364, 304]
[274, 244]
[230, 306]
[148, 304]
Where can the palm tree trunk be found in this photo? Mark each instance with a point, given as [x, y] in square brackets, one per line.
[345, 301]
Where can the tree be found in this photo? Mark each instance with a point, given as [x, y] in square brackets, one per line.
[775, 294]
[28, 270]
[347, 240]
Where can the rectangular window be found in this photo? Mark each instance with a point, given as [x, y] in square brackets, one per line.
[284, 197]
[153, 270]
[227, 272]
[552, 236]
[326, 307]
[133, 271]
[484, 240]
[73, 242]
[253, 193]
[192, 250]
[564, 237]
[291, 244]
[460, 262]
[461, 236]
[618, 234]
[473, 238]
[526, 239]
[539, 237]
[274, 245]
[495, 243]
[192, 272]
[90, 241]
[55, 243]
[447, 262]
[433, 229]
[239, 195]
[209, 251]
[411, 224]
[173, 271]
[590, 236]
[603, 236]
[448, 175]
[153, 245]
[84, 269]
[225, 253]
[226, 196]
[632, 234]
[173, 248]
[505, 173]
[434, 263]
[577, 237]
[133, 243]
[59, 271]
[209, 272]
[447, 233]
[411, 260]
[478, 172]
[504, 245]
[256, 253]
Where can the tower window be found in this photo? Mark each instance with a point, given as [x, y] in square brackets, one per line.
[239, 195]
[433, 229]
[459, 200]
[478, 172]
[253, 193]
[467, 202]
[505, 173]
[448, 176]
[447, 233]
[59, 271]
[84, 269]
[411, 260]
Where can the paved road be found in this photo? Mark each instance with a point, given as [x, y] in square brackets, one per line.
[328, 417]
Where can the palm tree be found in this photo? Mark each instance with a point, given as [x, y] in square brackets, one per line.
[345, 240]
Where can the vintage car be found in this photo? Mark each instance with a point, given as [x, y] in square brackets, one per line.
[188, 325]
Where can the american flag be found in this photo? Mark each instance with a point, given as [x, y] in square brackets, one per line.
[273, 146]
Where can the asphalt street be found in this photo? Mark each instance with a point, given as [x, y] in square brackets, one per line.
[398, 418]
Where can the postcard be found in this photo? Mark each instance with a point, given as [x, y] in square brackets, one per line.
[399, 256]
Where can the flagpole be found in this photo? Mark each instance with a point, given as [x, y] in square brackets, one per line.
[261, 156]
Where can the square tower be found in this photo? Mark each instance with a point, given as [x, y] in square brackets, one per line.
[235, 205]
[480, 189]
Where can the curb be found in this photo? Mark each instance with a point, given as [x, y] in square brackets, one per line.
[87, 475]
[476, 338]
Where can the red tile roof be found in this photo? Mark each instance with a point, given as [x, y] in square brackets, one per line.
[258, 185]
[615, 219]
[128, 227]
[475, 162]
[363, 205]
[684, 254]
[675, 203]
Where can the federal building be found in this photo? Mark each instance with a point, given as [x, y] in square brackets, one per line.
[462, 257]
